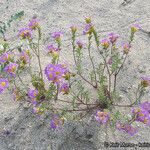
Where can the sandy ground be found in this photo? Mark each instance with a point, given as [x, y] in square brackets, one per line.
[26, 132]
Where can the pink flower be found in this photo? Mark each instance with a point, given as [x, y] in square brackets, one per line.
[105, 43]
[33, 93]
[102, 117]
[64, 88]
[24, 57]
[56, 122]
[52, 49]
[38, 110]
[128, 128]
[11, 69]
[142, 115]
[113, 37]
[126, 47]
[135, 27]
[88, 29]
[25, 33]
[5, 57]
[33, 24]
[146, 106]
[80, 44]
[55, 72]
[57, 35]
[145, 81]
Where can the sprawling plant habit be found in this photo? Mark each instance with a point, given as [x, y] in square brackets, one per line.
[67, 93]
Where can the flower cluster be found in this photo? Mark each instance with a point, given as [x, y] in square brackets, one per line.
[128, 128]
[56, 73]
[143, 113]
[61, 82]
[56, 122]
[102, 117]
[11, 69]
[4, 83]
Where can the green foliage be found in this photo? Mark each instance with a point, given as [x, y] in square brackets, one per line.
[38, 83]
[116, 62]
[51, 92]
[79, 55]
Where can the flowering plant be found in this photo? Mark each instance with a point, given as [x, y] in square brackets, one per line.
[61, 91]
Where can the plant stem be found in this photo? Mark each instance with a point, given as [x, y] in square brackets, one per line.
[79, 73]
[38, 56]
[22, 82]
[89, 46]
[71, 110]
[115, 76]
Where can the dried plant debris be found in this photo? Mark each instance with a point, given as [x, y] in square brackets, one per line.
[126, 2]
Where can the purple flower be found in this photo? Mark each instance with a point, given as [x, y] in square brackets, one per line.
[64, 88]
[55, 72]
[142, 115]
[105, 43]
[4, 83]
[80, 44]
[145, 81]
[146, 106]
[25, 33]
[135, 27]
[33, 24]
[113, 37]
[57, 35]
[88, 29]
[5, 57]
[33, 93]
[126, 47]
[52, 49]
[56, 122]
[102, 117]
[11, 69]
[119, 126]
[38, 110]
[128, 128]
[24, 56]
